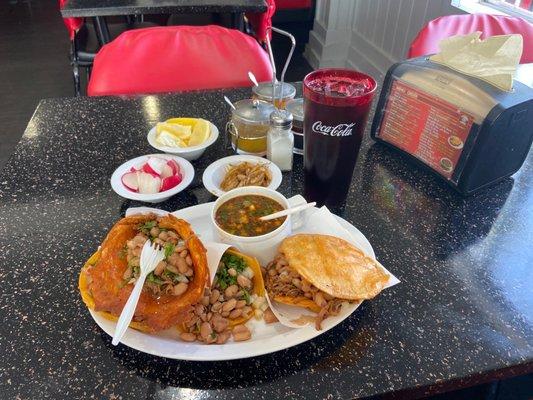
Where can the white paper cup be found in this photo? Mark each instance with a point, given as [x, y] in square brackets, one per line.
[267, 244]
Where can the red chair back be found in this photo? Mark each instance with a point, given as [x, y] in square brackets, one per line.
[427, 40]
[175, 59]
[73, 24]
[261, 22]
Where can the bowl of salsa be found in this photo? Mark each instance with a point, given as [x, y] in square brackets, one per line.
[236, 219]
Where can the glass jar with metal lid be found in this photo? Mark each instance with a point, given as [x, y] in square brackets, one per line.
[296, 108]
[248, 127]
[264, 92]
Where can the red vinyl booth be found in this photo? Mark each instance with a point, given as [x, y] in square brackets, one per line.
[427, 40]
[177, 58]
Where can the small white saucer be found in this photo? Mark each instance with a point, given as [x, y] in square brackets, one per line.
[214, 173]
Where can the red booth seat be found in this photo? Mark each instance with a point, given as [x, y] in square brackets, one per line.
[427, 41]
[177, 58]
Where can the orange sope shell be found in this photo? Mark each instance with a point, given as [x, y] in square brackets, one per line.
[101, 282]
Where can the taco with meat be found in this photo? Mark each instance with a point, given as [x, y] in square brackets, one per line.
[178, 282]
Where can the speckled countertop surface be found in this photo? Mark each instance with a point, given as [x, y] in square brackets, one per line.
[463, 313]
[92, 8]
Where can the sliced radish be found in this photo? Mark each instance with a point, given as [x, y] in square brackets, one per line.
[133, 169]
[148, 183]
[175, 167]
[129, 180]
[170, 182]
[167, 171]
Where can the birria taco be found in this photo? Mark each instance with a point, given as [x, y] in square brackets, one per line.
[320, 272]
[236, 295]
[178, 281]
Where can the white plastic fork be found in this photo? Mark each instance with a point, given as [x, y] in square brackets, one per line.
[151, 255]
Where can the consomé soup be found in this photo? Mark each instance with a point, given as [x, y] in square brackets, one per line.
[240, 215]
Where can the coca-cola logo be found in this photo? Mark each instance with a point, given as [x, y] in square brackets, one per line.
[330, 130]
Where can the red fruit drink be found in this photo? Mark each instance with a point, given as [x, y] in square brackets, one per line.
[336, 106]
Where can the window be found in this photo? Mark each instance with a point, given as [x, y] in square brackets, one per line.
[516, 8]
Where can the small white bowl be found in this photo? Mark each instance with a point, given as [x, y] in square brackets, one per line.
[186, 168]
[215, 172]
[189, 153]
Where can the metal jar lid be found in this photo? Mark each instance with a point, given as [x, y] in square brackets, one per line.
[253, 111]
[296, 108]
[281, 119]
[264, 90]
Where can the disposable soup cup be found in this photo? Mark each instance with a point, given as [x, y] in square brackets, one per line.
[263, 247]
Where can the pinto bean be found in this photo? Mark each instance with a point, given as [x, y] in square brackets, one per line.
[244, 282]
[205, 330]
[160, 267]
[216, 306]
[173, 259]
[184, 253]
[232, 271]
[211, 339]
[187, 337]
[223, 337]
[240, 304]
[180, 248]
[163, 235]
[269, 316]
[308, 295]
[209, 316]
[137, 251]
[214, 296]
[205, 301]
[225, 314]
[182, 265]
[189, 272]
[246, 310]
[241, 333]
[172, 234]
[159, 242]
[231, 291]
[191, 322]
[199, 309]
[272, 272]
[155, 231]
[235, 313]
[229, 305]
[219, 323]
[296, 282]
[180, 288]
[188, 260]
[172, 268]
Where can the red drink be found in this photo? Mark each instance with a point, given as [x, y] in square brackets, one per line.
[336, 106]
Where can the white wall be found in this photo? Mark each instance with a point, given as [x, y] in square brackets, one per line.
[369, 35]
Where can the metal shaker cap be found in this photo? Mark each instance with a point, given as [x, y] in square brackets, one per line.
[281, 119]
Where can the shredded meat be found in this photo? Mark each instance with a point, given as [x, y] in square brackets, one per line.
[282, 280]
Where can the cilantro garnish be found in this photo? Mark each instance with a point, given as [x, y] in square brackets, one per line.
[246, 296]
[224, 279]
[169, 249]
[145, 228]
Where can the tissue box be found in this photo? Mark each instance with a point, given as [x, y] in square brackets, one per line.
[466, 131]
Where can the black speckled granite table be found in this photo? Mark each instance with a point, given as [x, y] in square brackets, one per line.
[94, 8]
[463, 313]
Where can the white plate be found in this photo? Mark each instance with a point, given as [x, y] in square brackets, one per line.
[214, 173]
[186, 168]
[265, 338]
[189, 153]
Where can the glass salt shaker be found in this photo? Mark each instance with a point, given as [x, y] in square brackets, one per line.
[280, 139]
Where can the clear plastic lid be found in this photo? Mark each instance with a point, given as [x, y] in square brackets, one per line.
[264, 90]
[296, 108]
